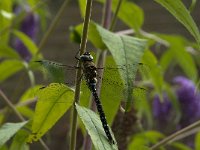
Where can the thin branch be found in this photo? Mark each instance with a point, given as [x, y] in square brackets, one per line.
[8, 102]
[175, 135]
[52, 26]
[12, 107]
[114, 19]
[79, 73]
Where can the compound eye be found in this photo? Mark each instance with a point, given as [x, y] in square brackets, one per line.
[87, 53]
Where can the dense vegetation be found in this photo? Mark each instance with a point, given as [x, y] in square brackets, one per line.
[145, 107]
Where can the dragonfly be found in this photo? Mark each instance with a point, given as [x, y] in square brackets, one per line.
[91, 77]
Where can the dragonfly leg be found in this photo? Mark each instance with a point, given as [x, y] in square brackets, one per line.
[76, 56]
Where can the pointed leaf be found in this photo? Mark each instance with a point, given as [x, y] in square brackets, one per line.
[8, 52]
[53, 102]
[130, 13]
[53, 70]
[19, 141]
[180, 146]
[8, 130]
[178, 10]
[95, 129]
[9, 67]
[82, 6]
[197, 141]
[181, 56]
[156, 73]
[27, 41]
[27, 97]
[126, 51]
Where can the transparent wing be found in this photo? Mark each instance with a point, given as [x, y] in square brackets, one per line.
[113, 85]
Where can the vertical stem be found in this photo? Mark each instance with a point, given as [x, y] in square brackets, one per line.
[78, 74]
[100, 63]
[107, 14]
[114, 19]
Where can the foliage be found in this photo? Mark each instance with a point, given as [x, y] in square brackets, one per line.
[161, 105]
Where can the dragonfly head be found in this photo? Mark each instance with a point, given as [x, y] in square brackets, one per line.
[86, 57]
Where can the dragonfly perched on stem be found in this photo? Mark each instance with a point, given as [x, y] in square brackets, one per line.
[91, 77]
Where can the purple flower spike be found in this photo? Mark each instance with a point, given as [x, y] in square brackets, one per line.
[189, 100]
[161, 110]
[29, 26]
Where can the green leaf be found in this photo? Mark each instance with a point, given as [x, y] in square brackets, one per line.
[192, 6]
[82, 6]
[180, 12]
[8, 130]
[95, 129]
[197, 141]
[130, 14]
[181, 56]
[93, 35]
[142, 105]
[19, 141]
[153, 136]
[6, 14]
[155, 72]
[75, 34]
[126, 51]
[27, 41]
[166, 59]
[8, 52]
[53, 70]
[53, 101]
[29, 93]
[4, 147]
[27, 97]
[141, 140]
[2, 118]
[111, 98]
[9, 67]
[4, 22]
[180, 146]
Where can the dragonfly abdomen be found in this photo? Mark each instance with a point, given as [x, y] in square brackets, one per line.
[90, 74]
[101, 114]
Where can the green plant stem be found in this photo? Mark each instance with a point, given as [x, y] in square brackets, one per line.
[30, 74]
[79, 74]
[100, 63]
[175, 135]
[107, 14]
[114, 19]
[52, 26]
[192, 6]
[12, 107]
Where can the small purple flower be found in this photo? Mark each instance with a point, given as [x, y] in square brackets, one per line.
[161, 108]
[162, 111]
[29, 26]
[189, 100]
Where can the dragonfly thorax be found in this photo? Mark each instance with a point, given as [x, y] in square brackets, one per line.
[86, 57]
